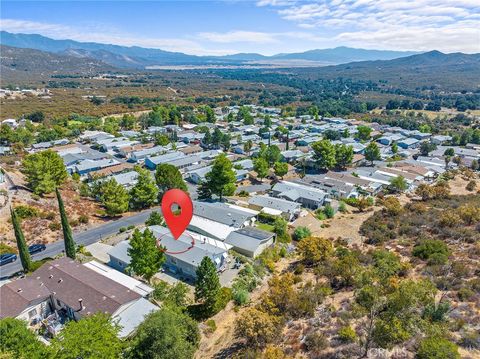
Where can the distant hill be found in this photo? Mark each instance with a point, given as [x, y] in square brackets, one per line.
[456, 71]
[139, 57]
[343, 54]
[26, 64]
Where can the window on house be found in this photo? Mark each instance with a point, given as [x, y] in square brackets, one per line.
[32, 313]
[59, 303]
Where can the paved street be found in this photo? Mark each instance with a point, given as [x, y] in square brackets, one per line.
[86, 237]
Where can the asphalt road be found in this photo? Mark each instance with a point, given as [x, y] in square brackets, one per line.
[86, 238]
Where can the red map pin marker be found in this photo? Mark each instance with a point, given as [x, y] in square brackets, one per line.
[177, 224]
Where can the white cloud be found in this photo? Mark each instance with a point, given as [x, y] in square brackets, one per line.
[446, 25]
[26, 26]
[258, 37]
[93, 34]
[448, 39]
[275, 2]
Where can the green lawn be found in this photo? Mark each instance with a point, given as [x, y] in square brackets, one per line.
[265, 226]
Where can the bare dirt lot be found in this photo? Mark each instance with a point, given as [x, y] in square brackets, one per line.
[43, 226]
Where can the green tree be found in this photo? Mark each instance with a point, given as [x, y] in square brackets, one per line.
[207, 285]
[313, 111]
[247, 146]
[207, 139]
[280, 168]
[144, 193]
[20, 342]
[449, 152]
[387, 264]
[315, 249]
[114, 197]
[398, 184]
[272, 154]
[372, 152]
[394, 148]
[225, 142]
[21, 244]
[260, 166]
[155, 219]
[426, 148]
[165, 334]
[324, 154]
[161, 139]
[127, 122]
[203, 191]
[146, 258]
[280, 229]
[393, 313]
[256, 327]
[437, 348]
[328, 210]
[209, 114]
[221, 178]
[37, 116]
[343, 155]
[301, 232]
[168, 177]
[177, 296]
[267, 122]
[433, 250]
[217, 137]
[44, 171]
[92, 337]
[67, 231]
[245, 116]
[363, 133]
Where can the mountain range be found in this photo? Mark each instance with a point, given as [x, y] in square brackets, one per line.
[140, 58]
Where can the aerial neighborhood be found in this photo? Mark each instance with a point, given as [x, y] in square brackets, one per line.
[91, 244]
[267, 179]
[253, 175]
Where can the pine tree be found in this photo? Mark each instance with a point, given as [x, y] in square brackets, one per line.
[67, 231]
[207, 285]
[21, 244]
[221, 179]
[144, 193]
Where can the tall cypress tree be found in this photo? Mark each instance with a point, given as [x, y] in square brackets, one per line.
[67, 231]
[21, 244]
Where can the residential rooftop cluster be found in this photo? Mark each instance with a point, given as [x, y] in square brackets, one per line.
[380, 154]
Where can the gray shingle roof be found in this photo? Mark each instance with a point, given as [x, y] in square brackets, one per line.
[166, 157]
[275, 203]
[296, 190]
[222, 213]
[198, 250]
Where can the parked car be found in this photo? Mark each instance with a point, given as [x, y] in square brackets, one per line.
[35, 248]
[7, 258]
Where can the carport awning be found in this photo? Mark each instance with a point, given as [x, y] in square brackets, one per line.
[272, 211]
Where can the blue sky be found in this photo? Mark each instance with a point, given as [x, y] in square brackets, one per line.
[263, 26]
